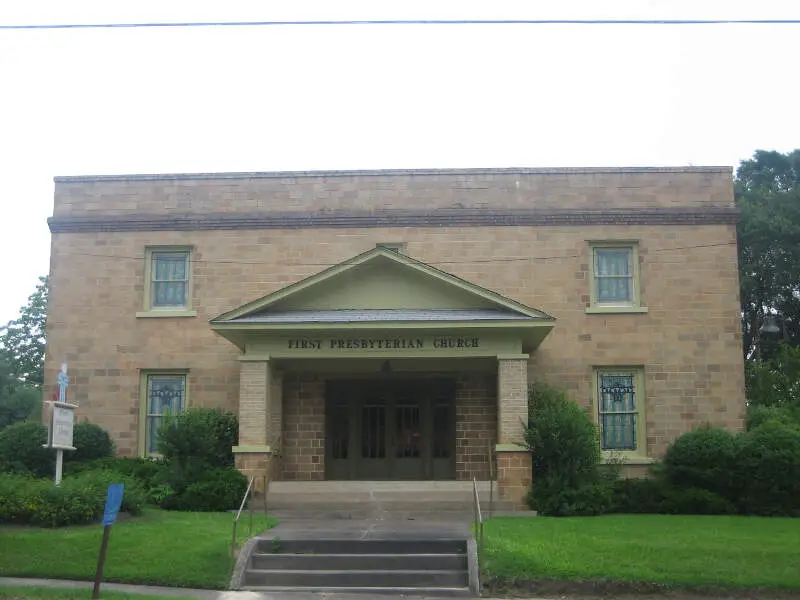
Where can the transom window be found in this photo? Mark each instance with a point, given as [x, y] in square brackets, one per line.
[614, 275]
[620, 411]
[164, 394]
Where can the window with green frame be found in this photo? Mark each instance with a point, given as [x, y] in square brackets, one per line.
[620, 411]
[614, 276]
[164, 393]
[169, 279]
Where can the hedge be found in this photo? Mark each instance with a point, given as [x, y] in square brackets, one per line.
[79, 499]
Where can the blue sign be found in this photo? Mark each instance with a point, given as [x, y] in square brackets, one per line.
[113, 502]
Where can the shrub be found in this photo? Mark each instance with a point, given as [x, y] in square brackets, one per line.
[79, 499]
[768, 467]
[694, 501]
[149, 473]
[565, 452]
[199, 439]
[704, 458]
[91, 443]
[639, 496]
[588, 500]
[22, 451]
[217, 490]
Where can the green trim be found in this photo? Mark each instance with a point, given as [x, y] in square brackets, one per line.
[599, 310]
[143, 375]
[251, 449]
[408, 325]
[635, 304]
[166, 313]
[513, 356]
[625, 459]
[147, 307]
[370, 255]
[510, 448]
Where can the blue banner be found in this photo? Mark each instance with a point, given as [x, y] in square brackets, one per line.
[113, 502]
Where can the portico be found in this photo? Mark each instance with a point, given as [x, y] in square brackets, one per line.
[384, 368]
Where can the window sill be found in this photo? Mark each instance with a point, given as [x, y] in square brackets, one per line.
[628, 460]
[601, 310]
[166, 313]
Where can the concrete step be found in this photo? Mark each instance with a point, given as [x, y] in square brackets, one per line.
[371, 562]
[365, 578]
[369, 546]
[373, 593]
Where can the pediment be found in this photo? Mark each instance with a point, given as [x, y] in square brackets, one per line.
[379, 286]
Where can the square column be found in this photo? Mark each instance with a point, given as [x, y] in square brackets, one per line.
[253, 452]
[514, 468]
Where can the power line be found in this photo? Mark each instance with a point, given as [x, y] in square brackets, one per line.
[408, 22]
[446, 262]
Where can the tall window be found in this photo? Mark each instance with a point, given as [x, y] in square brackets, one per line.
[164, 394]
[169, 279]
[613, 275]
[168, 282]
[620, 411]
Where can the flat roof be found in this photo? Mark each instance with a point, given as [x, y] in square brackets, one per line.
[388, 173]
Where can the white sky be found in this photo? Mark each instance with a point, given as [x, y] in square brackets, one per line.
[346, 97]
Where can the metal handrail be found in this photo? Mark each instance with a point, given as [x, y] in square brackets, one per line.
[477, 515]
[238, 515]
[490, 458]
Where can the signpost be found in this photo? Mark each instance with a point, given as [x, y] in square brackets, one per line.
[113, 503]
[62, 423]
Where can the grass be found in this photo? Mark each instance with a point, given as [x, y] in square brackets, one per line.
[47, 593]
[166, 548]
[680, 551]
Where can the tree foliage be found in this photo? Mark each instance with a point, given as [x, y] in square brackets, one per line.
[18, 402]
[22, 340]
[768, 196]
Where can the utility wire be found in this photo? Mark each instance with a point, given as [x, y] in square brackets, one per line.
[446, 262]
[409, 22]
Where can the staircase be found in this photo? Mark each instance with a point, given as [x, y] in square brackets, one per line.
[379, 566]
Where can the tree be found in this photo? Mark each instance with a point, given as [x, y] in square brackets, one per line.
[22, 340]
[18, 402]
[768, 196]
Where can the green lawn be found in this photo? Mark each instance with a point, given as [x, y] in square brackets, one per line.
[158, 548]
[46, 593]
[662, 549]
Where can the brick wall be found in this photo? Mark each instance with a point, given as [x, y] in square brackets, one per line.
[303, 452]
[476, 424]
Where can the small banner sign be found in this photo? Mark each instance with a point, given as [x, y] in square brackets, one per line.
[113, 503]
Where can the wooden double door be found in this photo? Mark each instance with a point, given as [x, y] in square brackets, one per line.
[390, 429]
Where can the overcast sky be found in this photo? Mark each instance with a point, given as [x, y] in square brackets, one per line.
[358, 97]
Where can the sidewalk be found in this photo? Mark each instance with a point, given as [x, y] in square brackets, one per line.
[202, 594]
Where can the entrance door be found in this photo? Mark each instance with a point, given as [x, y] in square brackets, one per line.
[390, 430]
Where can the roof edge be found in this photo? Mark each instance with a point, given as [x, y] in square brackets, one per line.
[387, 172]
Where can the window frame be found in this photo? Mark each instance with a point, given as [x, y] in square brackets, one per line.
[144, 401]
[148, 309]
[635, 305]
[633, 456]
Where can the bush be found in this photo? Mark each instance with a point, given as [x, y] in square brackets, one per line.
[199, 439]
[586, 501]
[656, 496]
[79, 499]
[91, 442]
[218, 490]
[768, 467]
[22, 451]
[565, 451]
[704, 458]
[149, 473]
